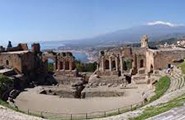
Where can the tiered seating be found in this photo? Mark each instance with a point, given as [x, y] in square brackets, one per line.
[177, 80]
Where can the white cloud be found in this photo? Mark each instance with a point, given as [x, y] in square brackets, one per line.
[164, 23]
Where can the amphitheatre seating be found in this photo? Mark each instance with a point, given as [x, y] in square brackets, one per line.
[176, 89]
[174, 114]
[177, 80]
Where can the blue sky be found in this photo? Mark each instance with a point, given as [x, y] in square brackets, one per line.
[40, 20]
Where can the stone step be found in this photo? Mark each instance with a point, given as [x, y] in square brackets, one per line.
[179, 83]
[162, 118]
[182, 82]
[178, 117]
[171, 85]
[174, 85]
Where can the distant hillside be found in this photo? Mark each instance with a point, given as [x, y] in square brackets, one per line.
[154, 44]
[132, 35]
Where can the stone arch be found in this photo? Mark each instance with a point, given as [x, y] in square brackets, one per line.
[141, 64]
[151, 68]
[106, 64]
[124, 65]
[51, 61]
[61, 65]
[7, 62]
[113, 65]
[67, 65]
[73, 65]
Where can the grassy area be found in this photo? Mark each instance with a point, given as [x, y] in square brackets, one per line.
[182, 66]
[161, 87]
[155, 110]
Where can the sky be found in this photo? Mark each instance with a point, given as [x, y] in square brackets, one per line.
[48, 20]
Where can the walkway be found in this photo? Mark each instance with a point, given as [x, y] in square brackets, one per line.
[8, 114]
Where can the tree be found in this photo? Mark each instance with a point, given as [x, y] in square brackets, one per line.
[86, 67]
[5, 84]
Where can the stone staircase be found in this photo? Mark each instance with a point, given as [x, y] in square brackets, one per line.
[177, 81]
[176, 88]
[173, 114]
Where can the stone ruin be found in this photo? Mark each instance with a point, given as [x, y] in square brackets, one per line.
[64, 63]
[22, 65]
[116, 67]
[135, 63]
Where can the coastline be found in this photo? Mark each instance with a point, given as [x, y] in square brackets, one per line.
[90, 55]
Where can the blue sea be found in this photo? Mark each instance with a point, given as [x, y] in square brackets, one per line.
[56, 44]
[81, 56]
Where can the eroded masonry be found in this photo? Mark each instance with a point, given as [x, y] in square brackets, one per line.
[132, 60]
[115, 67]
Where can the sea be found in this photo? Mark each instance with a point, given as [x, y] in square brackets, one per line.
[81, 56]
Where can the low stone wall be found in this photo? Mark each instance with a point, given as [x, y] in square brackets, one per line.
[66, 80]
[69, 73]
[105, 81]
[107, 73]
[60, 93]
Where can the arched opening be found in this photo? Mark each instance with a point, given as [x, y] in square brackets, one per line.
[51, 63]
[61, 66]
[169, 65]
[141, 63]
[124, 65]
[67, 65]
[7, 62]
[128, 78]
[151, 68]
[73, 65]
[106, 64]
[114, 65]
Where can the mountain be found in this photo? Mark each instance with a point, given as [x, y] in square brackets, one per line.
[156, 32]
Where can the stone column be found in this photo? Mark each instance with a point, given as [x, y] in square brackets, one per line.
[70, 65]
[54, 66]
[102, 64]
[110, 63]
[58, 65]
[64, 65]
[121, 64]
[116, 61]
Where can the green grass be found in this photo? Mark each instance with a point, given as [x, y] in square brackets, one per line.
[182, 66]
[155, 110]
[160, 88]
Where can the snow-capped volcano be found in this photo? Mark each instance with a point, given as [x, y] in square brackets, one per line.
[164, 23]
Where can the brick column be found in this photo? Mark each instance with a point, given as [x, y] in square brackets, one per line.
[110, 63]
[116, 62]
[102, 64]
[64, 65]
[70, 65]
[121, 64]
[58, 65]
